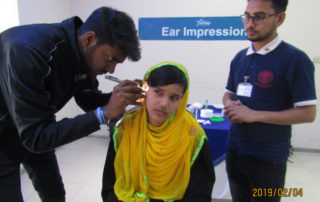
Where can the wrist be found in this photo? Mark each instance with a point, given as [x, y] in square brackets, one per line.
[103, 120]
[258, 116]
[107, 114]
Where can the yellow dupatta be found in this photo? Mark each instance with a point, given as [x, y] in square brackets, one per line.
[155, 162]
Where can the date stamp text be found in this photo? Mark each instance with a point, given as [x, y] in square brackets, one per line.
[277, 192]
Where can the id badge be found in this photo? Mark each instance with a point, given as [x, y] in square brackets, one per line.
[244, 89]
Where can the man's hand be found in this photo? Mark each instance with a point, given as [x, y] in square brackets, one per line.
[139, 81]
[124, 94]
[236, 112]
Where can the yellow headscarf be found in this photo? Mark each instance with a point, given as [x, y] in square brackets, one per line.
[155, 162]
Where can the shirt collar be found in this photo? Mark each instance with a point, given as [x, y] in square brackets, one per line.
[267, 48]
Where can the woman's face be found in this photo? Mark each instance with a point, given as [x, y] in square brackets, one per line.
[162, 102]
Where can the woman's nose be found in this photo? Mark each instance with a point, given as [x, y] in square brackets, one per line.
[164, 102]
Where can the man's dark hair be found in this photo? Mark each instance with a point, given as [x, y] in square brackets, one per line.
[114, 27]
[167, 74]
[279, 5]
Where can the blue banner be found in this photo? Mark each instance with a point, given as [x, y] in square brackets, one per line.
[192, 28]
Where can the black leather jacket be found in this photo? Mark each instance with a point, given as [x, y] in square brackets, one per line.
[40, 71]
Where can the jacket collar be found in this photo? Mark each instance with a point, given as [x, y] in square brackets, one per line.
[70, 26]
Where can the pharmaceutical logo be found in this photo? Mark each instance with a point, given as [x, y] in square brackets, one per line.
[203, 22]
[264, 79]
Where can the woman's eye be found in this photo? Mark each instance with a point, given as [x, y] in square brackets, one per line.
[157, 91]
[175, 98]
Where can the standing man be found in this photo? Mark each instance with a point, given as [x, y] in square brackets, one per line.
[42, 66]
[270, 87]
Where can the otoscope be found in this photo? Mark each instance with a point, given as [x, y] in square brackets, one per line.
[112, 78]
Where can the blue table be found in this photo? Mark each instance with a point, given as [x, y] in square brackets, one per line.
[217, 133]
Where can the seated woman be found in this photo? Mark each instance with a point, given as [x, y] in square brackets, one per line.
[158, 151]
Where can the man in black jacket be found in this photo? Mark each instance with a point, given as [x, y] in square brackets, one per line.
[42, 66]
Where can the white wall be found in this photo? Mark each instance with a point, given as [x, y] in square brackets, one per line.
[8, 14]
[207, 61]
[43, 11]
